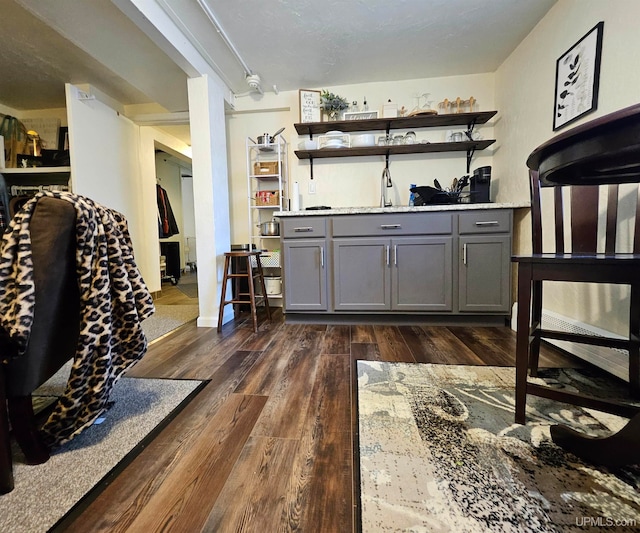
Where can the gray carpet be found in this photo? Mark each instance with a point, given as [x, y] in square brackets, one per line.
[440, 452]
[44, 493]
[167, 318]
[189, 289]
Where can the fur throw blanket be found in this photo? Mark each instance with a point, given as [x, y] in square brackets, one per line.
[113, 301]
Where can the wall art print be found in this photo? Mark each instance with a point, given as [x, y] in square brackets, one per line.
[577, 79]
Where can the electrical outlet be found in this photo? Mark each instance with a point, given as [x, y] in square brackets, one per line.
[312, 187]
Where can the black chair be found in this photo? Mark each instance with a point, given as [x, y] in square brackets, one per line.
[577, 164]
[54, 333]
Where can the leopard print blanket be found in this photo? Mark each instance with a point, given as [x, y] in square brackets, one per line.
[113, 301]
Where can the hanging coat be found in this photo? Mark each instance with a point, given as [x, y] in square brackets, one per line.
[167, 225]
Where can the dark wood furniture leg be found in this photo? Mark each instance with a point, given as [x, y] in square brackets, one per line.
[25, 430]
[522, 339]
[536, 319]
[614, 451]
[223, 292]
[252, 295]
[6, 465]
[634, 338]
[263, 286]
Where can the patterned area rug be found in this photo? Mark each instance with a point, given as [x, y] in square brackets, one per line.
[439, 451]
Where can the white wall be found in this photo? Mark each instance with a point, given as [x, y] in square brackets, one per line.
[113, 162]
[104, 158]
[524, 96]
[349, 182]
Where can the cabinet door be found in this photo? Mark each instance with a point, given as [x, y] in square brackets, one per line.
[305, 275]
[421, 274]
[361, 274]
[485, 273]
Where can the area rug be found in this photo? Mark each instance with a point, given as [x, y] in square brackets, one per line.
[189, 289]
[439, 451]
[168, 318]
[43, 494]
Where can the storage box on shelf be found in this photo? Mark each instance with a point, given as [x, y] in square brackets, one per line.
[264, 168]
[268, 198]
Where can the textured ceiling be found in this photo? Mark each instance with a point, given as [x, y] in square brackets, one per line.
[289, 43]
[306, 43]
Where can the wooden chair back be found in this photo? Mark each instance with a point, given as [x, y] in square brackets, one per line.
[586, 213]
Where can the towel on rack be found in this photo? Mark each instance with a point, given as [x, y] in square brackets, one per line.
[113, 302]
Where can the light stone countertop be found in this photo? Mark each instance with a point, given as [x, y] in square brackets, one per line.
[400, 209]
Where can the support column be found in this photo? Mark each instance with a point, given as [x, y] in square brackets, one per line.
[211, 192]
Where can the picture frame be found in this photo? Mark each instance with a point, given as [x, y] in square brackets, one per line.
[309, 101]
[578, 79]
[360, 115]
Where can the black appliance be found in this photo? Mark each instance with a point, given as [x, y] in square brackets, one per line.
[239, 266]
[481, 185]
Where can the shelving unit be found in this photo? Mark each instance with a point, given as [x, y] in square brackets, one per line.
[267, 174]
[470, 120]
[37, 177]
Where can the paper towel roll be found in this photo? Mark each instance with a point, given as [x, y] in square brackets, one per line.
[295, 197]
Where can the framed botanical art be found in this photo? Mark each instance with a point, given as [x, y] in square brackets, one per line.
[577, 79]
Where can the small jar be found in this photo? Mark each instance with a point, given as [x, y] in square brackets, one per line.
[398, 139]
[382, 140]
[410, 137]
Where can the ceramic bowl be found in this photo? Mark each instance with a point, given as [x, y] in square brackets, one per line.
[308, 144]
[367, 139]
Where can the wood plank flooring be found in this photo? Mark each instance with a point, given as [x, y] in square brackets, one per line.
[268, 445]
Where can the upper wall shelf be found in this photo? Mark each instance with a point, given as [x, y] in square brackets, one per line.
[420, 148]
[387, 124]
[36, 170]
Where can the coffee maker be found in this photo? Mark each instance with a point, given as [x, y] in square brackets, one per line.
[480, 185]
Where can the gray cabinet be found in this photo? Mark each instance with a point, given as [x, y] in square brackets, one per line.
[422, 274]
[305, 264]
[395, 273]
[484, 269]
[398, 274]
[361, 274]
[446, 262]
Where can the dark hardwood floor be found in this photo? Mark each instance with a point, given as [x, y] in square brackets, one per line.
[268, 445]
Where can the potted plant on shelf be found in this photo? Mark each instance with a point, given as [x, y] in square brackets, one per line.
[332, 104]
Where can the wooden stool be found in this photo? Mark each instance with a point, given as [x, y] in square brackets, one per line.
[250, 275]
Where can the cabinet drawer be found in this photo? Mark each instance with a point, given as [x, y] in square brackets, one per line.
[301, 227]
[490, 221]
[392, 224]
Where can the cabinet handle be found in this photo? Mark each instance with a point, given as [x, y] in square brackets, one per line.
[395, 255]
[322, 256]
[391, 226]
[464, 254]
[387, 247]
[304, 228]
[488, 223]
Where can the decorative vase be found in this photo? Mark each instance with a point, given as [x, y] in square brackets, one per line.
[333, 115]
